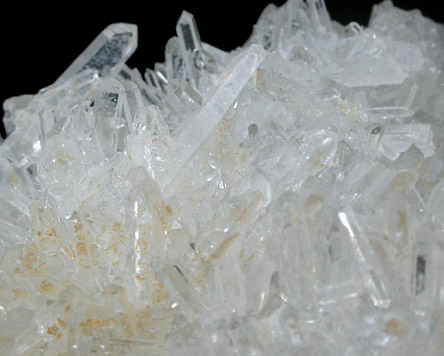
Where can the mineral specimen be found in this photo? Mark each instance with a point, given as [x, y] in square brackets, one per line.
[286, 198]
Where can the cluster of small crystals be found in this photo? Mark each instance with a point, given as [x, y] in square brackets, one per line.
[286, 198]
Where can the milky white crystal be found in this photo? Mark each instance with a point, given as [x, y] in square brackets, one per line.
[286, 198]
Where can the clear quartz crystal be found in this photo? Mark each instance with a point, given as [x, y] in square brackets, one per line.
[372, 274]
[283, 198]
[111, 48]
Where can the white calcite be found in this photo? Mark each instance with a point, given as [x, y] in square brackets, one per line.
[286, 198]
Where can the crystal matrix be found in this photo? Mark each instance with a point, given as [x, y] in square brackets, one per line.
[286, 198]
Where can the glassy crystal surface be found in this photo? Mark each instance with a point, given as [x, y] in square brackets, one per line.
[284, 198]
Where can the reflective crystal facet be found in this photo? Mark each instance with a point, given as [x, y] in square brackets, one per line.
[110, 49]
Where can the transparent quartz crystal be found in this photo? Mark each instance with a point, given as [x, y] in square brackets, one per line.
[283, 198]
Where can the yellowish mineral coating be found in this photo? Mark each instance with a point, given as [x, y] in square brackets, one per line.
[395, 327]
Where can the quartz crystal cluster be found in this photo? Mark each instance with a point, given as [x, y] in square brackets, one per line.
[286, 198]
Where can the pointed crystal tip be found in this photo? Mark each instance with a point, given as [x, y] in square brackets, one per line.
[187, 32]
[111, 48]
[185, 17]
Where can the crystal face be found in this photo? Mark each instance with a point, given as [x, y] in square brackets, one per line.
[285, 198]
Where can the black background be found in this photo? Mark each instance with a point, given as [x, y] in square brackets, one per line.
[40, 41]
